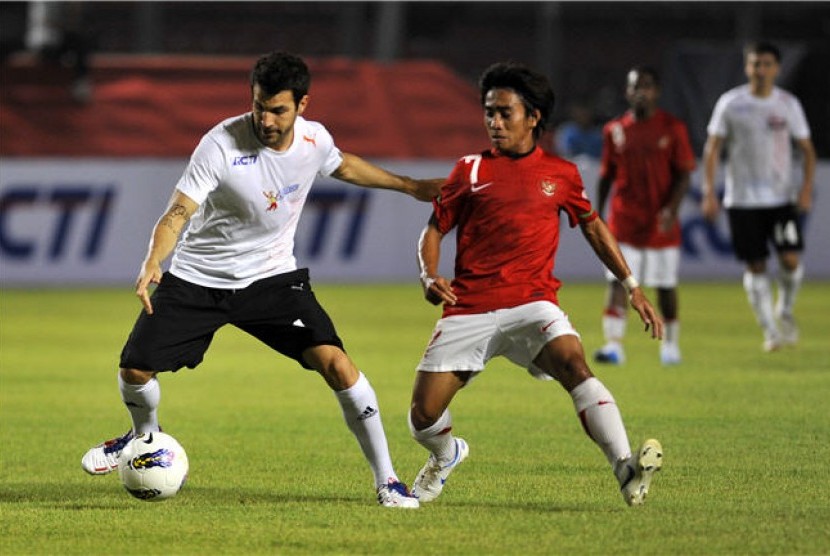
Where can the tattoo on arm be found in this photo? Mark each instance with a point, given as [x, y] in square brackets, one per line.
[174, 218]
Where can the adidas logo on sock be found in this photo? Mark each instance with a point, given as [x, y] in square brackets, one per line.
[368, 412]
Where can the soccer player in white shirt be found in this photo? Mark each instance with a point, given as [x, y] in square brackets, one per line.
[756, 122]
[242, 194]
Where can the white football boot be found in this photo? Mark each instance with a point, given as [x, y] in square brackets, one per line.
[431, 478]
[103, 458]
[670, 354]
[788, 329]
[636, 472]
[394, 494]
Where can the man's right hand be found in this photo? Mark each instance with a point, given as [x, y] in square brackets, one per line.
[710, 207]
[150, 274]
[438, 290]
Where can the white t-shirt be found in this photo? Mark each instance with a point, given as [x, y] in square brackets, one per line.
[756, 133]
[250, 200]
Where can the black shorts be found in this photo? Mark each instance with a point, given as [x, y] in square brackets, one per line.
[753, 230]
[281, 311]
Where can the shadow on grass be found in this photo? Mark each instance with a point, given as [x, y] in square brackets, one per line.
[106, 495]
[101, 495]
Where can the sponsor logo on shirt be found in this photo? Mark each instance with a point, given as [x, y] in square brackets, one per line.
[245, 160]
[310, 139]
[664, 142]
[290, 189]
[776, 123]
[548, 187]
[272, 200]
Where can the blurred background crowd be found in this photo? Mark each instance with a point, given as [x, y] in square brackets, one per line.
[585, 47]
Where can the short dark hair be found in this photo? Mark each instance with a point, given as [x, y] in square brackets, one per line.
[762, 47]
[646, 70]
[533, 88]
[281, 71]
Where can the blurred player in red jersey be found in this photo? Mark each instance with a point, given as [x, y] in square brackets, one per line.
[504, 204]
[647, 158]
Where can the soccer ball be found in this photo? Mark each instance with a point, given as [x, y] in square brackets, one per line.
[153, 466]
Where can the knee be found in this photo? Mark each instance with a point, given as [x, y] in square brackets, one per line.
[336, 368]
[790, 262]
[571, 370]
[564, 359]
[420, 418]
[136, 376]
[575, 369]
[757, 267]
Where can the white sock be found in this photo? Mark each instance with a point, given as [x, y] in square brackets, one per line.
[601, 419]
[759, 292]
[142, 401]
[671, 333]
[362, 414]
[613, 324]
[788, 286]
[437, 438]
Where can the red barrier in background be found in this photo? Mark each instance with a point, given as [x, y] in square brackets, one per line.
[161, 106]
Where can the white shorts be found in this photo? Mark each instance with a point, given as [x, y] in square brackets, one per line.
[468, 342]
[653, 268]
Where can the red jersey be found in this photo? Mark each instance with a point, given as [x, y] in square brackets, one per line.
[506, 214]
[643, 157]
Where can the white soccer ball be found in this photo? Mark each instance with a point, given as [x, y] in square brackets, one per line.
[153, 466]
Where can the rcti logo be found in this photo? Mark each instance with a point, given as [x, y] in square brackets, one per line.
[246, 160]
[72, 212]
[160, 458]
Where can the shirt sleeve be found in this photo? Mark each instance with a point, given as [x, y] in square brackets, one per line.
[606, 163]
[448, 203]
[717, 123]
[332, 157]
[799, 127]
[204, 170]
[577, 204]
[683, 158]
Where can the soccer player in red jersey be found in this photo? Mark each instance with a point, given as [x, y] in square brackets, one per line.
[646, 162]
[504, 204]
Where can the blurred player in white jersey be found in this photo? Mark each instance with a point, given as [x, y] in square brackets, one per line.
[505, 204]
[755, 122]
[242, 194]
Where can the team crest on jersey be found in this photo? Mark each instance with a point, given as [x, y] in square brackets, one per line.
[272, 200]
[664, 142]
[548, 187]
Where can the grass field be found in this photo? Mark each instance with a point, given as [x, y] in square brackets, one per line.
[274, 469]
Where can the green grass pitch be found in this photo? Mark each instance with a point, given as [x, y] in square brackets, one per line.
[274, 469]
